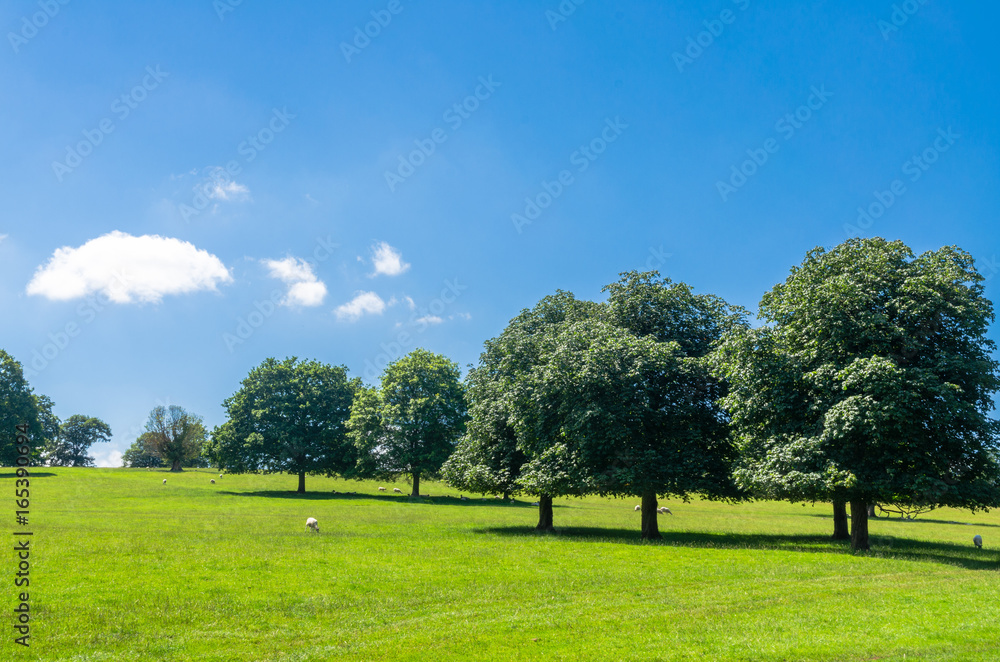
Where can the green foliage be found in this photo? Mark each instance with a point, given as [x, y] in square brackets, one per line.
[76, 435]
[175, 435]
[141, 454]
[411, 423]
[288, 416]
[19, 406]
[872, 382]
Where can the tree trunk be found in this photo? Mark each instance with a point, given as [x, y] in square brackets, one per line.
[506, 496]
[859, 524]
[650, 530]
[840, 531]
[416, 484]
[302, 482]
[176, 466]
[544, 514]
[871, 510]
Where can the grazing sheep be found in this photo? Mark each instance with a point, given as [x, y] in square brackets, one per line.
[213, 481]
[220, 475]
[164, 481]
[397, 490]
[381, 489]
[664, 511]
[463, 498]
[311, 523]
[978, 541]
[638, 508]
[534, 503]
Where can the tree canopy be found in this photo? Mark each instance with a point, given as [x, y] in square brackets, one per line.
[410, 424]
[288, 417]
[175, 435]
[20, 406]
[75, 437]
[871, 383]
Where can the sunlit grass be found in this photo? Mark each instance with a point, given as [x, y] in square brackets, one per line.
[126, 568]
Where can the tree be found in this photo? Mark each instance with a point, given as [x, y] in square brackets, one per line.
[19, 406]
[871, 384]
[491, 456]
[175, 435]
[141, 455]
[288, 417]
[48, 421]
[411, 423]
[76, 435]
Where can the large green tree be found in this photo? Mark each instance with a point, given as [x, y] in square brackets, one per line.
[410, 424]
[141, 454]
[175, 435]
[19, 406]
[288, 417]
[491, 456]
[75, 437]
[871, 383]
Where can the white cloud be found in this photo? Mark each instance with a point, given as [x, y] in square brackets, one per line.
[108, 458]
[364, 303]
[304, 289]
[229, 191]
[428, 319]
[464, 316]
[2, 237]
[387, 260]
[128, 269]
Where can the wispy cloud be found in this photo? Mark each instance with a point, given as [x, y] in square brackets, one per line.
[428, 319]
[228, 191]
[364, 303]
[304, 289]
[387, 260]
[128, 269]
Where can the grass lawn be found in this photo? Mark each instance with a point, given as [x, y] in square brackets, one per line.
[126, 568]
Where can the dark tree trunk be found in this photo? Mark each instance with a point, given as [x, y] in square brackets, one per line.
[650, 530]
[840, 531]
[871, 510]
[176, 466]
[416, 484]
[506, 496]
[544, 514]
[302, 482]
[859, 524]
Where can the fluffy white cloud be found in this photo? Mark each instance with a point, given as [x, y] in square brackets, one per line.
[304, 289]
[364, 303]
[128, 269]
[107, 458]
[388, 261]
[229, 191]
[428, 319]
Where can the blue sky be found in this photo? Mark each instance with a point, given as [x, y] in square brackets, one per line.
[193, 186]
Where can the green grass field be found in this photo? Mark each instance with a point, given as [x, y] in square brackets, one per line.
[126, 568]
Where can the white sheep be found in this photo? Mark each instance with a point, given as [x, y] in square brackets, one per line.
[397, 490]
[463, 498]
[638, 508]
[664, 511]
[381, 489]
[534, 503]
[164, 481]
[213, 481]
[311, 523]
[978, 541]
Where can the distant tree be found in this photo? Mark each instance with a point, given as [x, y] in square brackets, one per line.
[411, 423]
[76, 435]
[47, 419]
[19, 406]
[491, 456]
[288, 417]
[871, 384]
[175, 435]
[141, 455]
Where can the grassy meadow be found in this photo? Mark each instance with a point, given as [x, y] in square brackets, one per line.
[126, 568]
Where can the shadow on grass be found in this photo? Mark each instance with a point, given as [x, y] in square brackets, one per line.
[388, 497]
[917, 520]
[882, 546]
[31, 474]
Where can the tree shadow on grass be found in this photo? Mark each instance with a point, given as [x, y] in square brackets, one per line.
[31, 474]
[882, 546]
[384, 498]
[916, 520]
